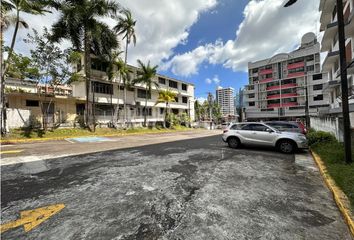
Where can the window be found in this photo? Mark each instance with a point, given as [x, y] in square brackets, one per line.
[32, 103]
[317, 76]
[310, 68]
[141, 110]
[184, 99]
[295, 70]
[80, 108]
[184, 87]
[162, 111]
[104, 88]
[176, 99]
[142, 94]
[237, 126]
[317, 87]
[318, 97]
[97, 64]
[172, 84]
[251, 104]
[162, 81]
[251, 95]
[254, 127]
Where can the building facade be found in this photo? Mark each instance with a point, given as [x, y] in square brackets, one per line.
[225, 99]
[329, 26]
[107, 96]
[278, 85]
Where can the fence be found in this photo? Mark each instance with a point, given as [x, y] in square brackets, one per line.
[333, 125]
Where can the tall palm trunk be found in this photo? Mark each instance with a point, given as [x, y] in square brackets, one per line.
[87, 66]
[116, 112]
[146, 96]
[125, 85]
[165, 120]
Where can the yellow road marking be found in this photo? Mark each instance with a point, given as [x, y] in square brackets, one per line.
[11, 151]
[32, 218]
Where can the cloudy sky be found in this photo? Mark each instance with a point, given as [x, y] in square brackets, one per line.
[207, 42]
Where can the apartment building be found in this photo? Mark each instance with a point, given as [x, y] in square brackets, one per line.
[225, 99]
[104, 94]
[277, 85]
[26, 101]
[329, 26]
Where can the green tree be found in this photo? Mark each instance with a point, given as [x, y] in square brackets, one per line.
[21, 6]
[126, 27]
[79, 22]
[146, 74]
[166, 96]
[197, 109]
[22, 67]
[216, 112]
[52, 64]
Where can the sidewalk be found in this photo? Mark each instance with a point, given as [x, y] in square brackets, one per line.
[37, 151]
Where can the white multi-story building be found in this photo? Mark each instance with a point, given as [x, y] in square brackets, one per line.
[225, 99]
[105, 94]
[277, 85]
[329, 26]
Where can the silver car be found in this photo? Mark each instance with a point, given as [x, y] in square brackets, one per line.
[261, 134]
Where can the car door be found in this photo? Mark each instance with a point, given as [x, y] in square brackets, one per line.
[263, 135]
[248, 134]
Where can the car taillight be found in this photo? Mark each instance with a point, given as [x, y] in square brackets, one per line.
[225, 131]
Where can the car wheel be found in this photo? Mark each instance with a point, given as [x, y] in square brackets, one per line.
[233, 142]
[286, 146]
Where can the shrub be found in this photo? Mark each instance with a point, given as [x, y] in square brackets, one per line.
[320, 137]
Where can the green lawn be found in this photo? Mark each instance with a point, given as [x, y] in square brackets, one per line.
[23, 134]
[332, 154]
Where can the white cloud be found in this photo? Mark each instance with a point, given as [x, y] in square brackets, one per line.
[267, 29]
[208, 81]
[201, 99]
[161, 26]
[214, 80]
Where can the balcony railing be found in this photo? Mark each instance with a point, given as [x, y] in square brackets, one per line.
[285, 95]
[285, 86]
[266, 71]
[296, 74]
[277, 105]
[266, 80]
[296, 65]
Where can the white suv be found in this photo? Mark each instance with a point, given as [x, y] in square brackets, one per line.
[256, 133]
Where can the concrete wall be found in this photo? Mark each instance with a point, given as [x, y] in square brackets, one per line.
[17, 118]
[333, 125]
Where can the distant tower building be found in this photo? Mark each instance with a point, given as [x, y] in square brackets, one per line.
[225, 99]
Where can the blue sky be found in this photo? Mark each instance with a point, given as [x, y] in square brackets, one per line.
[206, 42]
[219, 23]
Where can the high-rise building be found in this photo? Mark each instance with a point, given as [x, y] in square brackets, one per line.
[277, 85]
[331, 63]
[225, 99]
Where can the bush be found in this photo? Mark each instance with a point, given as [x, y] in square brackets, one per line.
[320, 137]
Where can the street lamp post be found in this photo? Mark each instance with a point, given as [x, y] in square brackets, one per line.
[344, 80]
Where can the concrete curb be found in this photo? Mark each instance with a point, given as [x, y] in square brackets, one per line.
[339, 197]
[14, 141]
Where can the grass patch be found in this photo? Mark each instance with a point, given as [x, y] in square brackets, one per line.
[26, 134]
[332, 154]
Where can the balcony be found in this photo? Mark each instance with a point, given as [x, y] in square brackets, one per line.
[277, 105]
[330, 33]
[285, 95]
[266, 71]
[285, 86]
[296, 74]
[330, 60]
[296, 65]
[266, 80]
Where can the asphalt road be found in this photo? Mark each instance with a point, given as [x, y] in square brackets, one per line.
[189, 189]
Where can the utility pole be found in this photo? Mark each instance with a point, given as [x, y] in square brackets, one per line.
[343, 78]
[344, 83]
[307, 115]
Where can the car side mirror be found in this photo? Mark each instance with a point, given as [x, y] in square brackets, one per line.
[269, 130]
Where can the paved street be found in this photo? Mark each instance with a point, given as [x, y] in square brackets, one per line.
[188, 189]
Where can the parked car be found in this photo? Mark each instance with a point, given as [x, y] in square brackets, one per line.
[261, 134]
[284, 126]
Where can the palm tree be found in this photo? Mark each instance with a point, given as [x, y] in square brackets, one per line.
[166, 96]
[146, 74]
[20, 6]
[79, 22]
[123, 72]
[125, 27]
